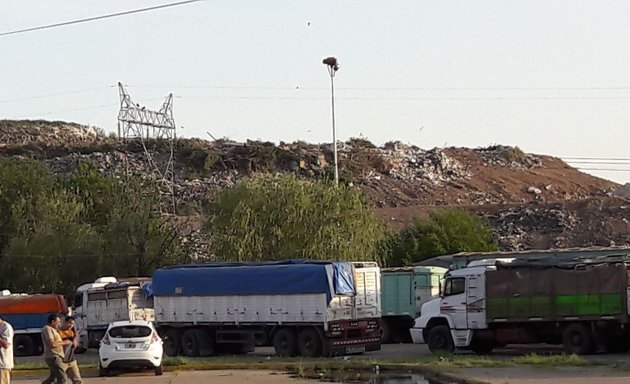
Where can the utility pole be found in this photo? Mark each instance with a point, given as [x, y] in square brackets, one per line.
[333, 67]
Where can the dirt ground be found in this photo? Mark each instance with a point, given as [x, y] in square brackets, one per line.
[539, 375]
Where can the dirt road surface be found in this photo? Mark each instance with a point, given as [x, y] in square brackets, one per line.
[538, 375]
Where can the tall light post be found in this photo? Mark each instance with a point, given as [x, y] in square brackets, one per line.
[333, 67]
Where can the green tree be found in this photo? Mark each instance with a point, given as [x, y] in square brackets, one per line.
[283, 217]
[444, 232]
[53, 253]
[22, 182]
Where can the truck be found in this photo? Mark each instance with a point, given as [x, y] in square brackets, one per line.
[581, 305]
[27, 314]
[106, 300]
[306, 308]
[403, 292]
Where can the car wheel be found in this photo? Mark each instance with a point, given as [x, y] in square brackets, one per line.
[102, 371]
[158, 370]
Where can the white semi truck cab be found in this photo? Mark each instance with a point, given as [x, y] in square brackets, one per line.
[449, 321]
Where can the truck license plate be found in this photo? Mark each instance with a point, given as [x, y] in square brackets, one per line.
[355, 349]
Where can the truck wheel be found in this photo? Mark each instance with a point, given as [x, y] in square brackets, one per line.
[171, 341]
[205, 342]
[440, 340]
[23, 345]
[578, 339]
[310, 343]
[482, 348]
[285, 342]
[386, 332]
[190, 343]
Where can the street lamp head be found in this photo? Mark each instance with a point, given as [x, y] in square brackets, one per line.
[332, 63]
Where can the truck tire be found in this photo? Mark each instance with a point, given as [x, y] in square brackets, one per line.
[205, 342]
[482, 347]
[439, 340]
[578, 339]
[171, 341]
[310, 343]
[189, 343]
[386, 332]
[23, 345]
[285, 342]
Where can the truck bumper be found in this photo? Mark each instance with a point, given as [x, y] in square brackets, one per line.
[354, 346]
[416, 335]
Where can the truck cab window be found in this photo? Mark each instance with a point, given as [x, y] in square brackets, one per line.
[454, 286]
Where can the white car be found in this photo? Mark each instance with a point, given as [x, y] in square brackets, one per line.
[130, 344]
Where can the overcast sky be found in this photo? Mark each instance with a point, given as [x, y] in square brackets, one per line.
[551, 77]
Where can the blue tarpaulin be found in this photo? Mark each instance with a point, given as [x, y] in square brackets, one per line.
[271, 278]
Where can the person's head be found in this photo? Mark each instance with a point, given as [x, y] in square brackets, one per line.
[54, 320]
[69, 322]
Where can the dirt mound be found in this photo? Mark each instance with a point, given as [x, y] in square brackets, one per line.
[532, 201]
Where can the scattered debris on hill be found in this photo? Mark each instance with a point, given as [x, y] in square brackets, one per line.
[398, 178]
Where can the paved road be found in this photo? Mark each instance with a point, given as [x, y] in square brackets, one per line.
[187, 377]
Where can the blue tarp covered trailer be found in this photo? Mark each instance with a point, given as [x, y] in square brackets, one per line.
[269, 278]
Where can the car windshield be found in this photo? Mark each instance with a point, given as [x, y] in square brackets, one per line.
[130, 331]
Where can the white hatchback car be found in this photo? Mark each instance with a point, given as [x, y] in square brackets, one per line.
[130, 344]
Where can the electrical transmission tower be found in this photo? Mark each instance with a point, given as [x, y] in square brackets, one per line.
[156, 131]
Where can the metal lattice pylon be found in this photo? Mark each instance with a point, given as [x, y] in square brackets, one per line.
[152, 129]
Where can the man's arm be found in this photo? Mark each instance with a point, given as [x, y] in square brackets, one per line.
[4, 339]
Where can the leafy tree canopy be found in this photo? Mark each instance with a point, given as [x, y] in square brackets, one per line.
[283, 217]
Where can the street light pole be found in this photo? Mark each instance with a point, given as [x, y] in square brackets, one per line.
[333, 67]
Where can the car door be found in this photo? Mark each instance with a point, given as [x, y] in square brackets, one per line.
[454, 301]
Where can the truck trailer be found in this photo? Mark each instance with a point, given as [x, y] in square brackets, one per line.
[306, 308]
[107, 300]
[28, 314]
[403, 292]
[583, 306]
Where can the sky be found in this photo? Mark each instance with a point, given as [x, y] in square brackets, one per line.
[551, 77]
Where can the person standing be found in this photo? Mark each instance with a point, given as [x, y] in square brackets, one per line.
[53, 350]
[6, 351]
[68, 332]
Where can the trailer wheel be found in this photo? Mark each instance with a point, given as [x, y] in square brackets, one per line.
[386, 332]
[440, 340]
[285, 342]
[171, 341]
[190, 343]
[23, 345]
[578, 339]
[205, 341]
[482, 347]
[310, 343]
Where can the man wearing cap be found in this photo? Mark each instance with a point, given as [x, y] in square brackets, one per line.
[6, 351]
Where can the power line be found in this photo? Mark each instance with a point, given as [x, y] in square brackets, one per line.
[597, 158]
[600, 162]
[98, 17]
[298, 88]
[604, 169]
[6, 101]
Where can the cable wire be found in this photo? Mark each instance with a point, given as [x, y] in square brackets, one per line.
[97, 17]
